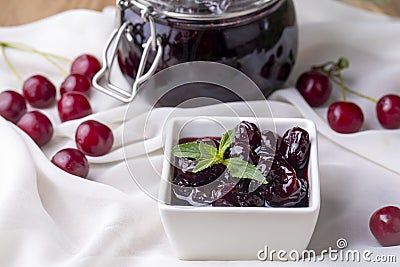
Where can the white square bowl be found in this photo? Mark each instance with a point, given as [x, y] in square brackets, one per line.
[236, 233]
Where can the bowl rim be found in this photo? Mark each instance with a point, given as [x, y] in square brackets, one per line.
[314, 204]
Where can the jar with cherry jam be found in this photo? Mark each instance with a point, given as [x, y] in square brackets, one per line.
[258, 38]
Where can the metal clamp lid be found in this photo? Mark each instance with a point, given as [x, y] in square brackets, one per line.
[102, 79]
[205, 10]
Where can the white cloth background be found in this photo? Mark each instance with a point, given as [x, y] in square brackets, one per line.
[50, 218]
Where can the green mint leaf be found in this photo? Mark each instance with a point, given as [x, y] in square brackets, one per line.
[207, 151]
[226, 141]
[203, 164]
[242, 169]
[187, 150]
[194, 150]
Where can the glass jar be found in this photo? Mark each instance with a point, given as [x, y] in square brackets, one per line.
[258, 38]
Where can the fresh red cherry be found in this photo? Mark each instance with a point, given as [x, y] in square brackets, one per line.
[94, 138]
[39, 91]
[73, 105]
[76, 83]
[385, 226]
[12, 105]
[72, 161]
[315, 87]
[345, 117]
[37, 126]
[86, 65]
[388, 111]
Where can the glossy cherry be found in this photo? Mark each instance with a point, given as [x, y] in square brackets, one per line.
[75, 83]
[190, 179]
[86, 65]
[253, 133]
[247, 138]
[315, 87]
[388, 111]
[37, 126]
[283, 188]
[73, 105]
[345, 117]
[189, 185]
[385, 226]
[12, 105]
[94, 138]
[72, 161]
[240, 196]
[39, 91]
[295, 147]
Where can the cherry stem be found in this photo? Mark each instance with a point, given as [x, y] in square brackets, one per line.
[323, 66]
[355, 92]
[63, 71]
[341, 83]
[26, 48]
[47, 56]
[10, 65]
[333, 70]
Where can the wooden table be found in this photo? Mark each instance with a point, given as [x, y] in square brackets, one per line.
[24, 11]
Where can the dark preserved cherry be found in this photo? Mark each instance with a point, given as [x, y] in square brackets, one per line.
[266, 152]
[240, 196]
[247, 139]
[283, 188]
[187, 178]
[253, 133]
[295, 147]
[240, 147]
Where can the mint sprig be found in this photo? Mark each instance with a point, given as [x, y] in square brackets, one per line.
[243, 169]
[194, 150]
[207, 156]
[203, 164]
[226, 141]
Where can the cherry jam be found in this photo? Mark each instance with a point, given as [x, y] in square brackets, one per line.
[284, 165]
[263, 45]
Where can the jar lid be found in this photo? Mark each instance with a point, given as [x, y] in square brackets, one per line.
[205, 9]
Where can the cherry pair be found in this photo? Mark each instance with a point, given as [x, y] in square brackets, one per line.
[92, 138]
[344, 117]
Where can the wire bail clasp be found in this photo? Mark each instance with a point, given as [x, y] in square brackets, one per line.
[102, 79]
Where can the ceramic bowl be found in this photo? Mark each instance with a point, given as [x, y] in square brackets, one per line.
[236, 233]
